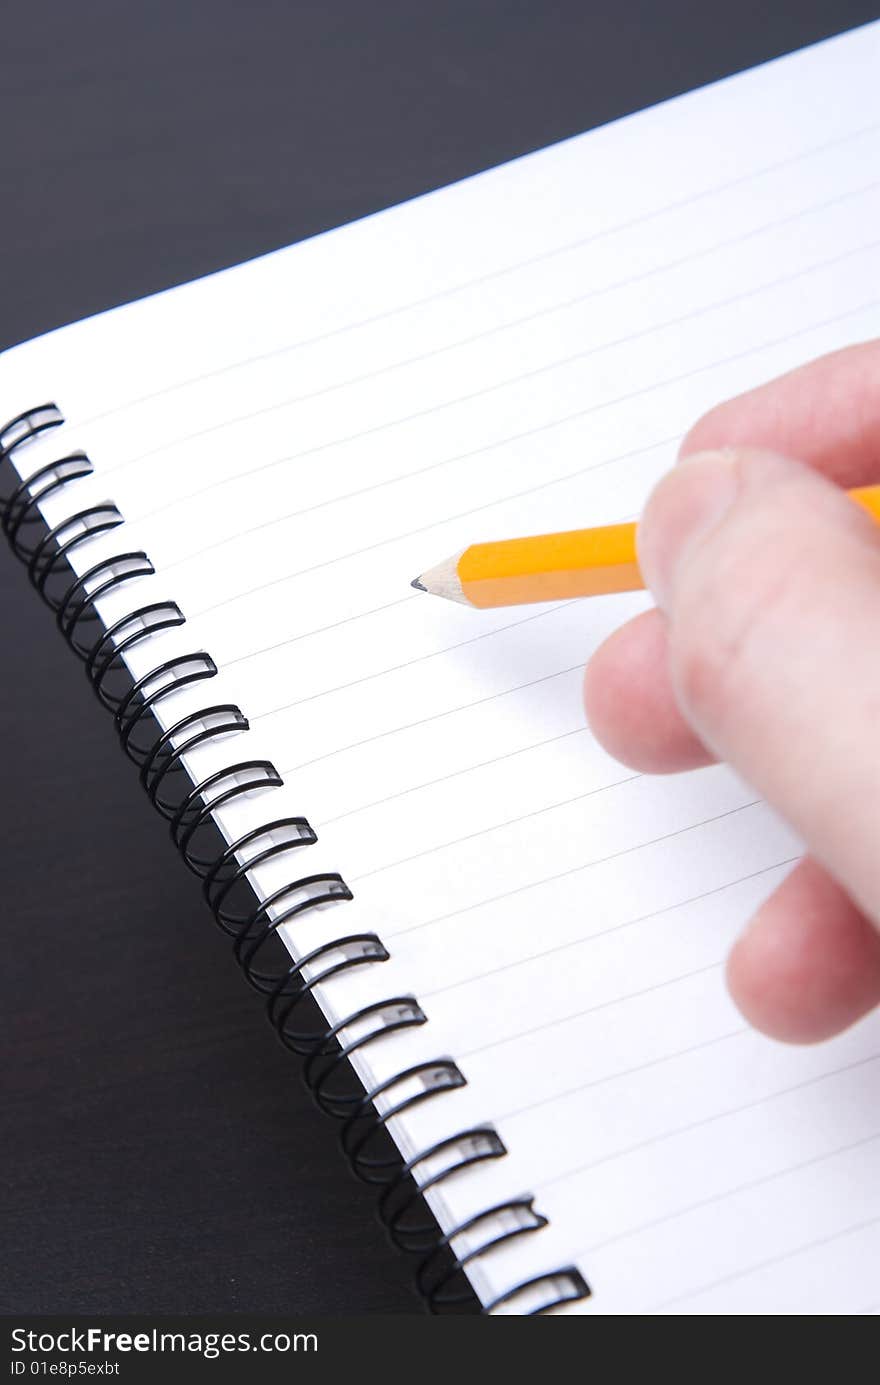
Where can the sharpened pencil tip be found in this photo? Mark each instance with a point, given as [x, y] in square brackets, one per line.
[418, 584]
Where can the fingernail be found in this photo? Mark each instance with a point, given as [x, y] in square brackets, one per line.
[682, 512]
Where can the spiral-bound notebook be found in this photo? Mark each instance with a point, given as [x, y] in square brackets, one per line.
[395, 809]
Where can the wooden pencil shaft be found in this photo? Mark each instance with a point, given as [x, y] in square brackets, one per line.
[556, 567]
[551, 567]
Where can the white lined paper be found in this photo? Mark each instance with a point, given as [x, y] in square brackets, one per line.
[522, 348]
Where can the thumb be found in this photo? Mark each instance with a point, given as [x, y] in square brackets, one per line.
[770, 580]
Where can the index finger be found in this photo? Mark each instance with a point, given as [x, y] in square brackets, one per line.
[826, 414]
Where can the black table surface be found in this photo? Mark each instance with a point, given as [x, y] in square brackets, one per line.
[161, 1153]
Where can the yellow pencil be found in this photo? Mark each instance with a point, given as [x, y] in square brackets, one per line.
[554, 567]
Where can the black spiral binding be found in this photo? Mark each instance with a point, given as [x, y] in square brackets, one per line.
[224, 869]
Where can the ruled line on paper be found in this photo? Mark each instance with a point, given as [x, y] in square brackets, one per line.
[319, 630]
[555, 423]
[517, 495]
[419, 659]
[842, 1234]
[584, 942]
[435, 716]
[448, 519]
[494, 827]
[545, 368]
[728, 1192]
[705, 1120]
[456, 774]
[607, 1078]
[561, 306]
[543, 256]
[573, 870]
[434, 466]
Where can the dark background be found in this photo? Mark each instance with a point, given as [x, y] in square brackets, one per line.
[162, 1155]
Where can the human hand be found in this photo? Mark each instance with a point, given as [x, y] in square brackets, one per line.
[764, 651]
